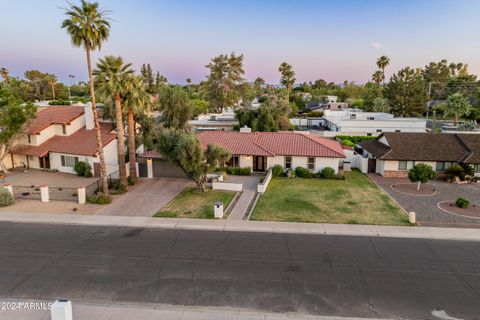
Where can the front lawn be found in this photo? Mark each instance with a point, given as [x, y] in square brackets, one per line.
[354, 200]
[193, 204]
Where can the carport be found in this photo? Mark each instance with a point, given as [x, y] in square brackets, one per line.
[151, 164]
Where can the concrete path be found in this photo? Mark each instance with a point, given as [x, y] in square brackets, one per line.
[246, 226]
[145, 199]
[249, 189]
[97, 311]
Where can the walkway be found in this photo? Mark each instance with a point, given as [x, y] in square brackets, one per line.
[249, 189]
[145, 199]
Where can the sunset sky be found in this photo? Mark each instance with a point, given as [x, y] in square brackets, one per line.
[332, 40]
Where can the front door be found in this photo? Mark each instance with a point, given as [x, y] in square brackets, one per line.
[46, 162]
[259, 163]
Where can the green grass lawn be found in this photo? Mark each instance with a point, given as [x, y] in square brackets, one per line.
[193, 204]
[356, 200]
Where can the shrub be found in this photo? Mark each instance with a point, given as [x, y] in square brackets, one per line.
[348, 143]
[354, 139]
[316, 114]
[80, 168]
[117, 186]
[59, 103]
[88, 170]
[462, 202]
[237, 171]
[303, 173]
[277, 171]
[468, 170]
[100, 198]
[327, 173]
[455, 171]
[6, 198]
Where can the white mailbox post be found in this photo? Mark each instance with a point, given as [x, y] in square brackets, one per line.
[62, 310]
[218, 210]
[412, 217]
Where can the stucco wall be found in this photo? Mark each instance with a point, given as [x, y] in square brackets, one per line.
[320, 162]
[245, 161]
[379, 167]
[75, 125]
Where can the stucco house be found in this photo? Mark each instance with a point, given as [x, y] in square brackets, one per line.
[59, 137]
[392, 154]
[262, 150]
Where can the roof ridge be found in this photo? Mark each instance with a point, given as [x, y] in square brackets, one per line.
[257, 135]
[318, 142]
[469, 153]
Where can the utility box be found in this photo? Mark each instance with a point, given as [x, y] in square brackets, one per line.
[412, 217]
[218, 210]
[62, 310]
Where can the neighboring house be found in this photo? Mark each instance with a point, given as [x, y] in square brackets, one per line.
[393, 154]
[357, 122]
[321, 106]
[215, 121]
[59, 137]
[262, 150]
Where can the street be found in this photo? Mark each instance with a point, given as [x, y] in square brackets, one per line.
[310, 274]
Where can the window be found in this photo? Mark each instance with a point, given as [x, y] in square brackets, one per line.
[288, 162]
[405, 165]
[69, 161]
[64, 129]
[379, 130]
[311, 163]
[477, 168]
[444, 165]
[398, 130]
[235, 161]
[370, 118]
[369, 134]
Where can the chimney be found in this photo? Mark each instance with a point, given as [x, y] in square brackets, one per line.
[89, 124]
[245, 129]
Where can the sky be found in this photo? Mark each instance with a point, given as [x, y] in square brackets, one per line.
[321, 39]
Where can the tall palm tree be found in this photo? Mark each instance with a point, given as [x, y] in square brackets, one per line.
[382, 63]
[457, 106]
[88, 27]
[287, 77]
[111, 75]
[5, 75]
[136, 101]
[378, 77]
[52, 81]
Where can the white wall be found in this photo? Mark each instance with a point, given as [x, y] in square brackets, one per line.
[227, 186]
[360, 163]
[74, 126]
[7, 161]
[245, 161]
[56, 161]
[379, 166]
[320, 162]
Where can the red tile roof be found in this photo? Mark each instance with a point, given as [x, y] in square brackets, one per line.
[150, 154]
[83, 142]
[54, 115]
[272, 143]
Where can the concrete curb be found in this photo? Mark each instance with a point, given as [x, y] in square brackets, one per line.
[247, 226]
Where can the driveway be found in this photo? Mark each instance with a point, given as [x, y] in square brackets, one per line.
[426, 208]
[249, 190]
[146, 198]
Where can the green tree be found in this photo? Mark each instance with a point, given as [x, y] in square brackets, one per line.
[38, 82]
[287, 77]
[111, 75]
[378, 77]
[381, 105]
[5, 75]
[456, 106]
[52, 81]
[406, 93]
[185, 150]
[222, 86]
[175, 107]
[258, 84]
[88, 28]
[272, 115]
[382, 63]
[14, 116]
[421, 173]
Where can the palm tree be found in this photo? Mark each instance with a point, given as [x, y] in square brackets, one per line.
[288, 77]
[378, 77]
[88, 28]
[457, 106]
[110, 77]
[5, 75]
[382, 63]
[136, 101]
[52, 81]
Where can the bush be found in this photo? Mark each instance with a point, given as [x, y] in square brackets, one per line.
[327, 173]
[277, 171]
[462, 203]
[237, 171]
[6, 198]
[80, 168]
[354, 139]
[100, 198]
[303, 173]
[348, 143]
[117, 187]
[316, 114]
[455, 171]
[59, 103]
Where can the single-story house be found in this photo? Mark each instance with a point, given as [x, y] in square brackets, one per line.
[392, 154]
[61, 136]
[262, 150]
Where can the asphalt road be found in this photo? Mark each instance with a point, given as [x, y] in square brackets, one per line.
[330, 275]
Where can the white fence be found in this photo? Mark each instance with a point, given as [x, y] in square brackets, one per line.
[227, 186]
[262, 187]
[359, 162]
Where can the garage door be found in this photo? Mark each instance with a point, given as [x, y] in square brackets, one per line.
[166, 169]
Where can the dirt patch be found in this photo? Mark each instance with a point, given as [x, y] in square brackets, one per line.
[411, 189]
[472, 211]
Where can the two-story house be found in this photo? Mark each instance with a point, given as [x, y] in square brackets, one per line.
[59, 137]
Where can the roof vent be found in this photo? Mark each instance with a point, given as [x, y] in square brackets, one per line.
[245, 129]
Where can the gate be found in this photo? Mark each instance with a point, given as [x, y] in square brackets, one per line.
[372, 165]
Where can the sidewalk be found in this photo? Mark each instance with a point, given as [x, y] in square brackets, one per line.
[246, 226]
[89, 311]
[240, 210]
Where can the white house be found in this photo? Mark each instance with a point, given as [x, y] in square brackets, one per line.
[262, 150]
[215, 121]
[357, 122]
[59, 137]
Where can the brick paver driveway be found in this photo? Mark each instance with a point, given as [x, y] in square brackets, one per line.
[426, 206]
[145, 199]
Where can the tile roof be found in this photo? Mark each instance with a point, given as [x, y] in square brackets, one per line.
[426, 147]
[272, 143]
[83, 142]
[150, 154]
[54, 115]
